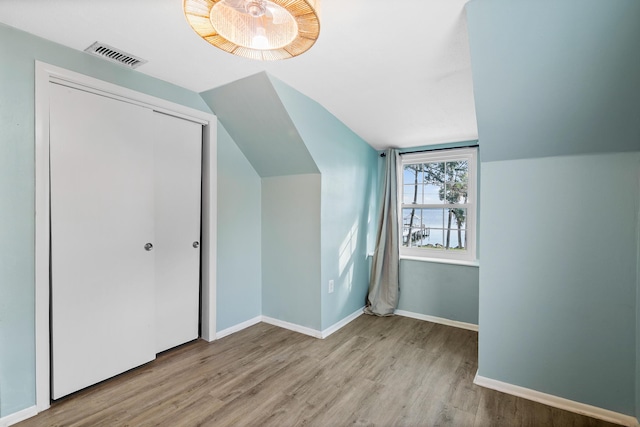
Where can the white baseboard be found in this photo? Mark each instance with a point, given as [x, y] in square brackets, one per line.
[16, 417]
[557, 402]
[434, 319]
[336, 326]
[292, 327]
[342, 323]
[237, 328]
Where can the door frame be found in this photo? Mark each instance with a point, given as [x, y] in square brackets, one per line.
[45, 74]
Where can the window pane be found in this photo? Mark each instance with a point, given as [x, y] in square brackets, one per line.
[457, 239]
[411, 194]
[434, 228]
[434, 182]
[433, 218]
[411, 224]
[458, 218]
[420, 169]
[456, 224]
[435, 239]
[420, 225]
[413, 184]
[432, 193]
[457, 179]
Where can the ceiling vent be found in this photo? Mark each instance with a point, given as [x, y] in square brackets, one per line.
[114, 55]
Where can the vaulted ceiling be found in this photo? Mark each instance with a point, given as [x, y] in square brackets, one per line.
[397, 73]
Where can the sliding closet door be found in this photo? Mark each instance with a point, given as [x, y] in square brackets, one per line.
[102, 204]
[178, 157]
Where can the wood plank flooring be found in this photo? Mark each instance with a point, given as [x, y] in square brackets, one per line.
[391, 371]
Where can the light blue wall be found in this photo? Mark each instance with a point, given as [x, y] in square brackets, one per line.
[546, 71]
[557, 94]
[558, 278]
[18, 51]
[291, 249]
[348, 166]
[239, 264]
[441, 290]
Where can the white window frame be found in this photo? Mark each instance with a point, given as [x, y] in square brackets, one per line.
[437, 156]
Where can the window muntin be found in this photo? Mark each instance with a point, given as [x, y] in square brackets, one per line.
[438, 204]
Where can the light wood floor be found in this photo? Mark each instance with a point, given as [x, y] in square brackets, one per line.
[392, 371]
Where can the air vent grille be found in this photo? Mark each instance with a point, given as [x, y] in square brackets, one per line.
[115, 55]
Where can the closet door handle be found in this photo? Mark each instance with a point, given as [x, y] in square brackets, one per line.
[148, 247]
[196, 244]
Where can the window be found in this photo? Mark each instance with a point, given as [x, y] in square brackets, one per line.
[438, 204]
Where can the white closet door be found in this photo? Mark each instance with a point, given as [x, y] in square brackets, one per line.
[103, 309]
[178, 153]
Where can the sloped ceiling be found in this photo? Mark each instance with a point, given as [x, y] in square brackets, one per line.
[251, 111]
[396, 73]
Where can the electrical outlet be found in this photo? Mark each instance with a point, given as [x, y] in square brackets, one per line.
[331, 287]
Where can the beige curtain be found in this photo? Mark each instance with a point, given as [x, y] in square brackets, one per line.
[384, 284]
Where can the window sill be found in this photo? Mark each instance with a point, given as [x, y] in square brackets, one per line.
[474, 263]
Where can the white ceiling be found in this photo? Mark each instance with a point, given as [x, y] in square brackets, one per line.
[398, 73]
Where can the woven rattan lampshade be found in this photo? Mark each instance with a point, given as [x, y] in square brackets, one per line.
[256, 29]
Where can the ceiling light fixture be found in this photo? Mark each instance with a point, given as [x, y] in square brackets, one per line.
[256, 29]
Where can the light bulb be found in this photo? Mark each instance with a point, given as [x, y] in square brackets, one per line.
[259, 40]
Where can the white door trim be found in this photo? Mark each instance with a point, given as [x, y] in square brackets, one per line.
[44, 74]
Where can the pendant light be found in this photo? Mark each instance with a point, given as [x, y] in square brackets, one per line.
[256, 29]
